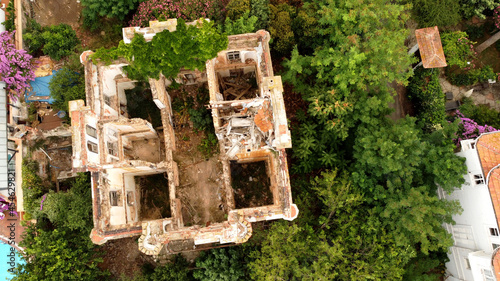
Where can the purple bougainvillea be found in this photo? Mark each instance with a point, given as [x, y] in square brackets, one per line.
[16, 66]
[469, 129]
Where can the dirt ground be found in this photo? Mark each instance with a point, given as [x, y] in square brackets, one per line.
[52, 12]
[122, 256]
[60, 152]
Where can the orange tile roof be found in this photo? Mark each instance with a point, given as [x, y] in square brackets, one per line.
[488, 148]
[431, 50]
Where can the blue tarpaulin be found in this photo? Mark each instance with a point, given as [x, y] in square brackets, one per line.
[40, 89]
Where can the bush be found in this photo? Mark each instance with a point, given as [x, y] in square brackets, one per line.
[458, 49]
[188, 10]
[16, 67]
[32, 37]
[469, 129]
[66, 85]
[482, 114]
[474, 32]
[427, 97]
[93, 9]
[56, 41]
[32, 186]
[473, 76]
[59, 41]
[10, 20]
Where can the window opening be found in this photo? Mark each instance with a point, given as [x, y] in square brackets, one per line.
[91, 131]
[233, 56]
[478, 179]
[92, 146]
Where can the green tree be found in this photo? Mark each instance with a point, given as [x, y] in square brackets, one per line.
[399, 168]
[244, 24]
[280, 28]
[346, 79]
[350, 243]
[224, 264]
[260, 10]
[58, 254]
[188, 47]
[236, 9]
[32, 186]
[72, 209]
[427, 97]
[56, 41]
[59, 41]
[66, 85]
[93, 9]
[441, 13]
[472, 8]
[177, 270]
[10, 20]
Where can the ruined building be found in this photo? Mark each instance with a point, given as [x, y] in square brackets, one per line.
[125, 154]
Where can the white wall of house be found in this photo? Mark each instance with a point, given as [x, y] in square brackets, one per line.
[476, 229]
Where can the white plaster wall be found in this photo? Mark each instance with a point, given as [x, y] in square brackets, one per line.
[2, 19]
[478, 262]
[92, 158]
[478, 216]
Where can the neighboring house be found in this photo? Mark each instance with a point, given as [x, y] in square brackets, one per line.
[250, 124]
[475, 253]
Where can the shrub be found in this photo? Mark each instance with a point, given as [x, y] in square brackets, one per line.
[469, 129]
[188, 10]
[280, 27]
[66, 85]
[482, 114]
[458, 49]
[10, 20]
[16, 67]
[32, 186]
[428, 98]
[473, 76]
[474, 32]
[56, 41]
[59, 41]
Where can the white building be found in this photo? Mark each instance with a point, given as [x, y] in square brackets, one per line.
[476, 233]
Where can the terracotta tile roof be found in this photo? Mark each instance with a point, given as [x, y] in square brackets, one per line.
[494, 186]
[488, 148]
[431, 50]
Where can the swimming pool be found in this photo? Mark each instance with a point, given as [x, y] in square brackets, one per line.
[5, 261]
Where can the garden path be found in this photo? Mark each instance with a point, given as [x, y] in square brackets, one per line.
[486, 93]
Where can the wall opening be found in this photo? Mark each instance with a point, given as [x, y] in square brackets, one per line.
[155, 199]
[251, 184]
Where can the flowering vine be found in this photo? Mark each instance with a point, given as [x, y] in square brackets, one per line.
[496, 16]
[469, 129]
[16, 66]
[186, 9]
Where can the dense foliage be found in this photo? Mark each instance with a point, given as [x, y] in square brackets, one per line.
[10, 19]
[458, 49]
[481, 114]
[469, 129]
[57, 246]
[188, 10]
[93, 9]
[66, 85]
[225, 264]
[441, 13]
[16, 66]
[244, 24]
[188, 47]
[56, 41]
[427, 97]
